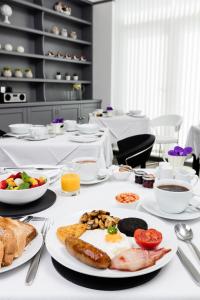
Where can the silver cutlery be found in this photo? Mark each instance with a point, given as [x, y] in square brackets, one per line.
[32, 271]
[189, 266]
[184, 233]
[29, 218]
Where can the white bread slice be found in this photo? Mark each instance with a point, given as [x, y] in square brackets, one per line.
[23, 233]
[9, 241]
[1, 252]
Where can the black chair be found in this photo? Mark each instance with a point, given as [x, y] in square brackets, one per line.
[2, 132]
[135, 150]
[195, 163]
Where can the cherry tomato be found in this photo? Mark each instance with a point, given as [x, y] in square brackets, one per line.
[148, 239]
[18, 175]
[3, 185]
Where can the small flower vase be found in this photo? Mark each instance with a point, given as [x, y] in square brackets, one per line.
[68, 77]
[109, 113]
[175, 161]
[58, 128]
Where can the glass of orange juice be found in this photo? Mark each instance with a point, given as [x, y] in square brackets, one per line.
[70, 180]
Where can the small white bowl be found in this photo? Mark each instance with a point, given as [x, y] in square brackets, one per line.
[130, 205]
[120, 175]
[87, 128]
[20, 128]
[20, 197]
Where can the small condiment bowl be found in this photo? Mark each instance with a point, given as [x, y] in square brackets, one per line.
[131, 204]
[120, 175]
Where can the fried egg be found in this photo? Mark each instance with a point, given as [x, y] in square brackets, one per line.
[111, 244]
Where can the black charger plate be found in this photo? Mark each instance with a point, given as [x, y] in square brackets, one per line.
[9, 210]
[100, 283]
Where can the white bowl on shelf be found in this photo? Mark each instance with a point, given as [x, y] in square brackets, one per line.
[20, 128]
[87, 128]
[20, 197]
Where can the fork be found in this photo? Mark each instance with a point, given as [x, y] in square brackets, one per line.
[32, 271]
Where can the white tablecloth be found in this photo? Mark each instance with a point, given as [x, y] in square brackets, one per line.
[193, 139]
[172, 283]
[123, 126]
[58, 150]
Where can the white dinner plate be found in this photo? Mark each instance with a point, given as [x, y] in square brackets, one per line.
[83, 139]
[151, 205]
[32, 248]
[58, 251]
[95, 181]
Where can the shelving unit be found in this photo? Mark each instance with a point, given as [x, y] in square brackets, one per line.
[31, 24]
[30, 27]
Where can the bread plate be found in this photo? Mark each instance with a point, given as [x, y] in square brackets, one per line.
[61, 255]
[31, 249]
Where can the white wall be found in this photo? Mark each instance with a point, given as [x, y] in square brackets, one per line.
[102, 54]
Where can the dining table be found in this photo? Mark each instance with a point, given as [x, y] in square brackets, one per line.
[173, 282]
[57, 150]
[123, 126]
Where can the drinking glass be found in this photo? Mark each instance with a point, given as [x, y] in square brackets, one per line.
[70, 180]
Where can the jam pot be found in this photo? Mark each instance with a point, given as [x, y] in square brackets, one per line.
[148, 181]
[139, 176]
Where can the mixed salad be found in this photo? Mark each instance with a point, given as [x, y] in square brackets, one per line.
[21, 181]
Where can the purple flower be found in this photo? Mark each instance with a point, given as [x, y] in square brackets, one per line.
[58, 120]
[109, 108]
[179, 151]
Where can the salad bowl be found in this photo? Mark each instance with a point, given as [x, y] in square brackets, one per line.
[25, 192]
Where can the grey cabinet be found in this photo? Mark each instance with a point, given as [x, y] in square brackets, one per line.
[12, 116]
[68, 112]
[86, 109]
[41, 115]
[44, 113]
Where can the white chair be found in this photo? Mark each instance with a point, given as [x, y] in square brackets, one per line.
[166, 129]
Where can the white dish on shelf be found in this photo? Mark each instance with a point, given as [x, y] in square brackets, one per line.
[58, 251]
[150, 204]
[31, 249]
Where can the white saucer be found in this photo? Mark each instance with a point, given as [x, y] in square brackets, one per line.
[95, 181]
[83, 139]
[151, 205]
[30, 138]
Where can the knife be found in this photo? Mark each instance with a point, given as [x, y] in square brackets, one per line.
[189, 266]
[31, 168]
[32, 271]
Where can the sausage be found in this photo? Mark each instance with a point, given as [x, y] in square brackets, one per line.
[87, 253]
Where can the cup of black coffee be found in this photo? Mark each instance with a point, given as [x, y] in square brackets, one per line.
[173, 196]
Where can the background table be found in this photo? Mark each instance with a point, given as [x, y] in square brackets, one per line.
[172, 283]
[123, 126]
[54, 151]
[193, 140]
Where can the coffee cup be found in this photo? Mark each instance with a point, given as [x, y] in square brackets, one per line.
[186, 174]
[164, 171]
[173, 196]
[88, 168]
[38, 131]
